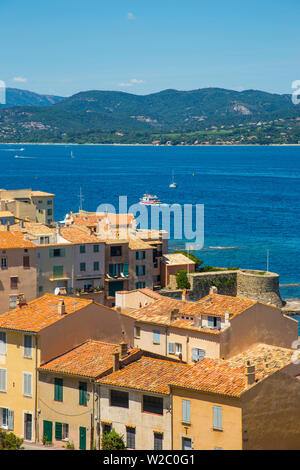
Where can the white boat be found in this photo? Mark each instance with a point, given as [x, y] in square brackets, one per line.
[173, 184]
[72, 155]
[149, 200]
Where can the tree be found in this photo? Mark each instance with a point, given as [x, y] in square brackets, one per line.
[182, 280]
[9, 441]
[113, 441]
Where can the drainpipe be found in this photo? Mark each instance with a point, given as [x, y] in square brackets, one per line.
[36, 430]
[171, 408]
[98, 413]
[93, 416]
[166, 352]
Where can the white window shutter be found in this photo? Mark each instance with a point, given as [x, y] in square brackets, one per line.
[2, 343]
[171, 348]
[3, 380]
[10, 421]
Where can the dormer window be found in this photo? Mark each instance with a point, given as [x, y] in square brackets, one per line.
[214, 322]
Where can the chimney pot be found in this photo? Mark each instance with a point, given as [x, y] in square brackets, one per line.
[184, 295]
[213, 290]
[116, 361]
[61, 307]
[250, 373]
[7, 226]
[123, 349]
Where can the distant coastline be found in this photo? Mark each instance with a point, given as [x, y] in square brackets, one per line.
[150, 145]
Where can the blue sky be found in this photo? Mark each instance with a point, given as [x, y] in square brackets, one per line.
[65, 46]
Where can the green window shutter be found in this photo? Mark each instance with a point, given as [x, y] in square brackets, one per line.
[111, 269]
[58, 431]
[58, 271]
[144, 285]
[96, 265]
[51, 252]
[10, 420]
[82, 393]
[144, 270]
[82, 267]
[96, 248]
[136, 255]
[58, 389]
[126, 269]
[144, 254]
[63, 252]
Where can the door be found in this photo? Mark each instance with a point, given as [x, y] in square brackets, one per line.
[82, 438]
[47, 431]
[28, 427]
[114, 287]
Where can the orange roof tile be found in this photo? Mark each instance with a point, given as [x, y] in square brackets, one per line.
[41, 313]
[90, 359]
[149, 374]
[10, 240]
[77, 235]
[229, 377]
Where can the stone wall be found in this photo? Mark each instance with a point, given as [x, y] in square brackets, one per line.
[249, 284]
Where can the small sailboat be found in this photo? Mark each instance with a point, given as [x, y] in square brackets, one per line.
[173, 184]
[72, 154]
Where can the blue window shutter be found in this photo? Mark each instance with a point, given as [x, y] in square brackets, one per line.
[156, 336]
[126, 269]
[63, 252]
[10, 420]
[210, 321]
[195, 354]
[144, 285]
[186, 411]
[217, 417]
[219, 323]
[201, 354]
[144, 254]
[171, 348]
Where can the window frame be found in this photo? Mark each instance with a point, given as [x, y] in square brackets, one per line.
[130, 437]
[28, 395]
[3, 342]
[114, 401]
[26, 347]
[151, 408]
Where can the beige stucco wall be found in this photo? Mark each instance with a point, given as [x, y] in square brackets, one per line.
[42, 206]
[45, 268]
[189, 339]
[271, 412]
[68, 411]
[145, 423]
[16, 364]
[133, 299]
[201, 428]
[27, 284]
[92, 322]
[258, 324]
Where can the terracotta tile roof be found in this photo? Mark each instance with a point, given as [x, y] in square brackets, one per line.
[90, 359]
[77, 235]
[10, 240]
[160, 312]
[229, 377]
[151, 293]
[41, 194]
[148, 374]
[41, 313]
[92, 219]
[175, 259]
[137, 244]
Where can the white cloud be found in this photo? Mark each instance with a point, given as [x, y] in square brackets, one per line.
[133, 81]
[130, 16]
[20, 79]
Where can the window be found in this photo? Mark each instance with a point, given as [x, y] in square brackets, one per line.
[178, 348]
[3, 377]
[137, 331]
[82, 393]
[156, 336]
[214, 322]
[118, 398]
[58, 272]
[140, 285]
[140, 270]
[198, 354]
[153, 405]
[57, 252]
[171, 348]
[61, 431]
[13, 301]
[4, 262]
[26, 262]
[158, 441]
[217, 418]
[186, 443]
[49, 211]
[96, 248]
[49, 202]
[106, 428]
[4, 418]
[82, 267]
[130, 437]
[82, 248]
[140, 255]
[14, 282]
[58, 389]
[186, 411]
[2, 343]
[28, 346]
[96, 265]
[27, 384]
[41, 288]
[115, 251]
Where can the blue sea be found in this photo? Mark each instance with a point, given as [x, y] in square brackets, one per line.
[251, 194]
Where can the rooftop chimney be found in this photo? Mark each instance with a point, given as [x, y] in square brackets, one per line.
[123, 349]
[61, 307]
[213, 290]
[7, 226]
[250, 374]
[116, 361]
[227, 322]
[184, 295]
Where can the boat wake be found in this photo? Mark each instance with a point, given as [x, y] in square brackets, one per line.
[296, 284]
[30, 158]
[221, 247]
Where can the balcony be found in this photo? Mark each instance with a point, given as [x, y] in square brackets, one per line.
[60, 277]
